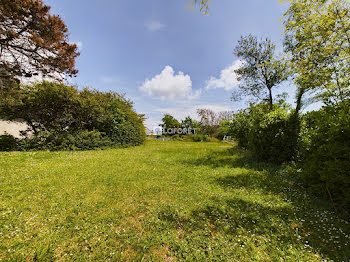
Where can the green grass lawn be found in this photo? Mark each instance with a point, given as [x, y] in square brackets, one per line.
[162, 201]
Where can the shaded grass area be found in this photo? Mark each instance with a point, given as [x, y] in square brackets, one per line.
[162, 201]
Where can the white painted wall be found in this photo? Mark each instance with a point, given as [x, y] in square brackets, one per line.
[12, 128]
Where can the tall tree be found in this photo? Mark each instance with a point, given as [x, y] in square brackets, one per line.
[170, 122]
[209, 121]
[260, 71]
[189, 123]
[32, 41]
[317, 39]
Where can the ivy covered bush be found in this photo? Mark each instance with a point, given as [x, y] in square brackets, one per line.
[62, 117]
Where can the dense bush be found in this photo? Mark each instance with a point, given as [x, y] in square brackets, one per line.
[319, 141]
[212, 139]
[239, 127]
[269, 134]
[63, 117]
[273, 136]
[325, 153]
[83, 140]
[7, 143]
[198, 137]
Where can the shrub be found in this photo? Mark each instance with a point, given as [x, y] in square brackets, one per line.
[8, 143]
[325, 153]
[187, 138]
[270, 134]
[224, 130]
[176, 137]
[63, 117]
[239, 128]
[273, 136]
[212, 139]
[54, 141]
[197, 138]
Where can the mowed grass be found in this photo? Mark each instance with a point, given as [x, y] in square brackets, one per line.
[166, 201]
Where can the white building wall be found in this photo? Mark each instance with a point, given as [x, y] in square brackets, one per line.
[12, 128]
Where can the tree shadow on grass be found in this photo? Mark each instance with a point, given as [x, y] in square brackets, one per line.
[236, 221]
[234, 157]
[296, 219]
[247, 172]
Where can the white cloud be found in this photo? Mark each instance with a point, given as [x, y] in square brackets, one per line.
[228, 78]
[154, 26]
[168, 85]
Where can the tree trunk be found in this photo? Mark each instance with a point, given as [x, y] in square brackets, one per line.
[270, 99]
[300, 94]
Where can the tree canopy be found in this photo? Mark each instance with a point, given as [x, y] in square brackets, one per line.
[317, 40]
[32, 41]
[188, 122]
[260, 71]
[170, 122]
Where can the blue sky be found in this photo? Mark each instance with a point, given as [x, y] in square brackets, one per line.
[162, 55]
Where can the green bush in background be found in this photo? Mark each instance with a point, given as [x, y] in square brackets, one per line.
[269, 134]
[62, 117]
[325, 153]
[318, 141]
[7, 143]
[239, 127]
[83, 140]
[273, 136]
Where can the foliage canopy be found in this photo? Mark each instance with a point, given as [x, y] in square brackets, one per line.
[54, 112]
[33, 41]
